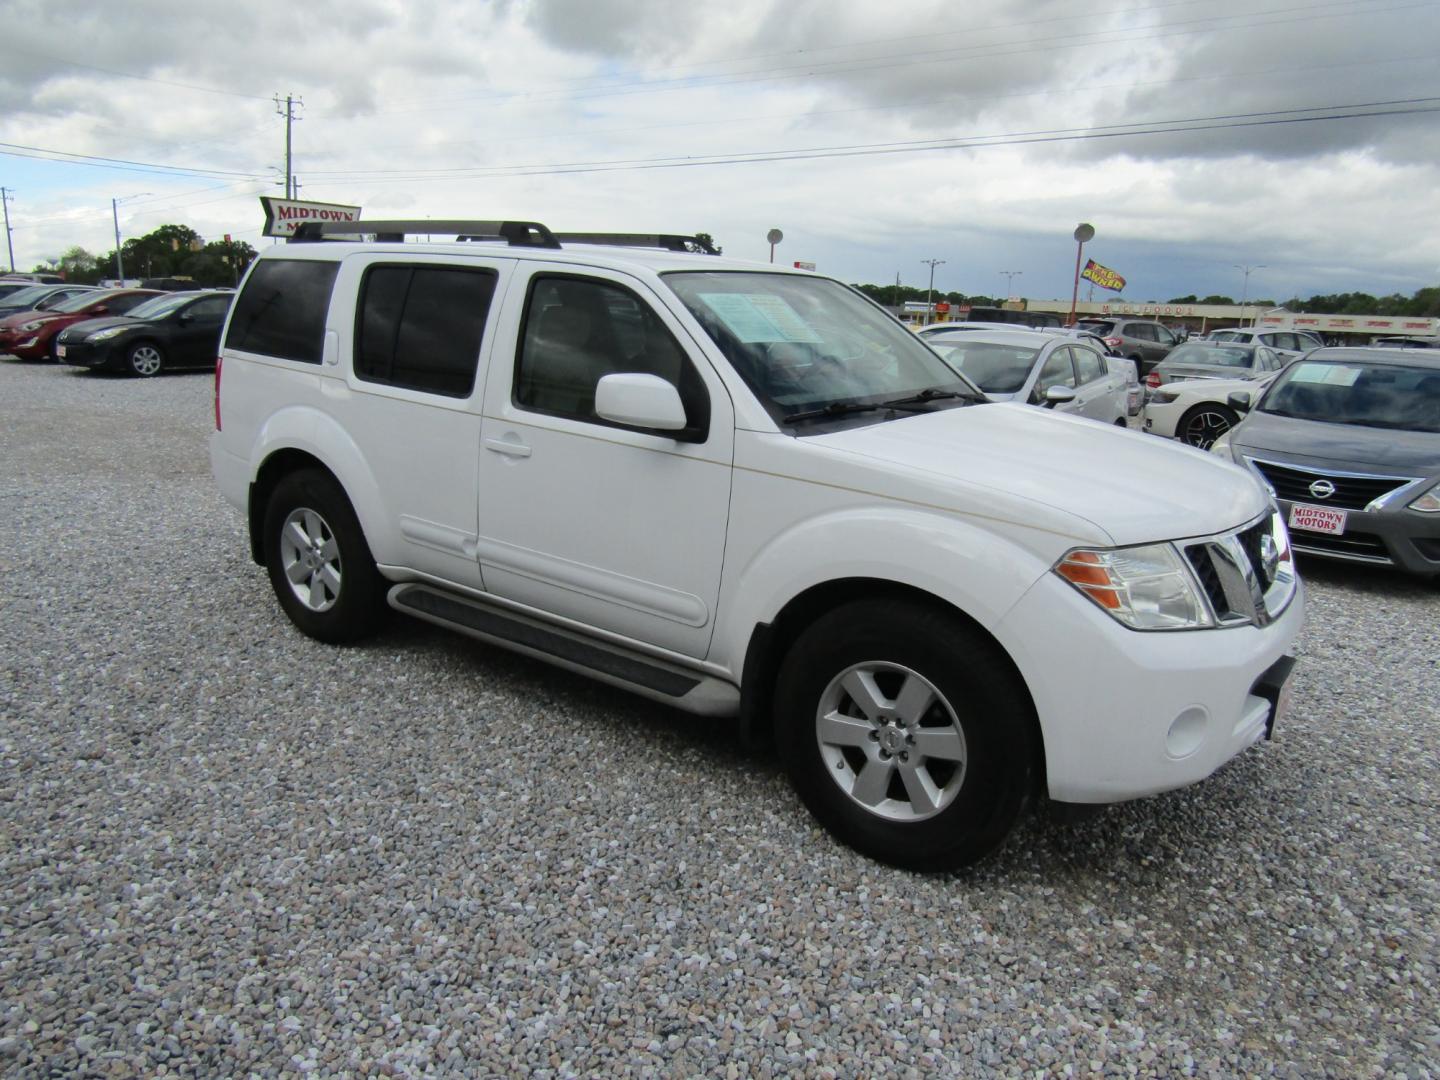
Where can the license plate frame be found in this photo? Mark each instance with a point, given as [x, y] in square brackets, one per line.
[60, 351]
[1318, 519]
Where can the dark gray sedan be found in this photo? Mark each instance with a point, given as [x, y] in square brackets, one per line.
[1349, 442]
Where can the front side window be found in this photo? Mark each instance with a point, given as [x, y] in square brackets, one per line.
[1089, 365]
[1058, 371]
[420, 327]
[281, 310]
[578, 330]
[211, 309]
[810, 346]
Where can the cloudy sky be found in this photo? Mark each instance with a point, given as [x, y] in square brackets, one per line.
[1194, 135]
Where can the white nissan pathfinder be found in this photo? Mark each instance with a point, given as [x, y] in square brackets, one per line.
[749, 491]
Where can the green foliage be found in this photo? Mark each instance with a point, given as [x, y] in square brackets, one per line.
[706, 238]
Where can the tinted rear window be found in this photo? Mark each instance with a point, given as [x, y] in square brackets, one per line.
[281, 311]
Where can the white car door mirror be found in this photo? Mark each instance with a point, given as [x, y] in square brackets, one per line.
[1059, 395]
[639, 400]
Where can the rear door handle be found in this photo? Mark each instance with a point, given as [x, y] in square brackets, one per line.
[510, 446]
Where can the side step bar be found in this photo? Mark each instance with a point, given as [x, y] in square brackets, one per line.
[633, 671]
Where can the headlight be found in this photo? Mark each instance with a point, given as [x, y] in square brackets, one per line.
[106, 334]
[1429, 503]
[1221, 446]
[1163, 396]
[31, 326]
[1146, 588]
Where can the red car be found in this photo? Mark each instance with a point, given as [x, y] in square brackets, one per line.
[30, 335]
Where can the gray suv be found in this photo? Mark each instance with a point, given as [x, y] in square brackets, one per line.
[1145, 341]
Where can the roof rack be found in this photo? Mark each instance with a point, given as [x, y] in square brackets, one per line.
[667, 241]
[515, 233]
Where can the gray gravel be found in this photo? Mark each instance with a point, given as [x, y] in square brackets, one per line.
[226, 849]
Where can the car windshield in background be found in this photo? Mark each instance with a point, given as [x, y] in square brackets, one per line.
[25, 296]
[805, 344]
[1351, 392]
[78, 303]
[1235, 357]
[161, 305]
[996, 369]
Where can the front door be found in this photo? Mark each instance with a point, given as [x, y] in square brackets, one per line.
[195, 331]
[616, 528]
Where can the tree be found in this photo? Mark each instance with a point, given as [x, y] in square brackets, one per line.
[80, 267]
[1216, 299]
[706, 240]
[161, 253]
[1191, 299]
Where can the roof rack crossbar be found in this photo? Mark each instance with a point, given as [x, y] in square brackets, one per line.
[515, 233]
[667, 241]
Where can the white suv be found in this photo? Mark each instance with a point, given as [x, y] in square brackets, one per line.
[749, 491]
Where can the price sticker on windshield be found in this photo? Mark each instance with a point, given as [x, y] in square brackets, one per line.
[1319, 519]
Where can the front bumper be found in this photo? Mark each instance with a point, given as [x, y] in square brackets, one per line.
[1391, 537]
[83, 354]
[1125, 714]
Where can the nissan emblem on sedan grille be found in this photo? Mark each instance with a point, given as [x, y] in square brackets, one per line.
[1322, 489]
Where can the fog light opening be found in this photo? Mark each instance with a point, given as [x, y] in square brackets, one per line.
[1187, 732]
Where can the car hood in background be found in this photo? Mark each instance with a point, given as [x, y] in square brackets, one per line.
[20, 318]
[1135, 488]
[1341, 446]
[104, 322]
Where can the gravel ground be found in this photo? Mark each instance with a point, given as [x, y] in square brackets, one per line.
[226, 849]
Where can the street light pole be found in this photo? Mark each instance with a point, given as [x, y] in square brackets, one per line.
[1010, 276]
[1245, 294]
[930, 292]
[1083, 233]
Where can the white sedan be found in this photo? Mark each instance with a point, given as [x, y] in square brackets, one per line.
[1196, 411]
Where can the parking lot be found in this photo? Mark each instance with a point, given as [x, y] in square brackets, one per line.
[228, 848]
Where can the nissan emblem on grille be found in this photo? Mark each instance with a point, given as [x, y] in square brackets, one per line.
[1322, 489]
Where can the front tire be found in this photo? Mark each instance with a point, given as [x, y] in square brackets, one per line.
[1203, 424]
[144, 359]
[319, 563]
[906, 733]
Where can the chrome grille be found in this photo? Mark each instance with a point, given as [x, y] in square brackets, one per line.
[1232, 570]
[1352, 491]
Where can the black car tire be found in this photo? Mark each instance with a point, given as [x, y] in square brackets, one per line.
[974, 689]
[1204, 423]
[338, 595]
[144, 358]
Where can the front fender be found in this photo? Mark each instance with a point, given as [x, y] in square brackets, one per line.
[946, 556]
[310, 431]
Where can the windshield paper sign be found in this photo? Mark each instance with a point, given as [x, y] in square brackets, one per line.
[1103, 276]
[282, 215]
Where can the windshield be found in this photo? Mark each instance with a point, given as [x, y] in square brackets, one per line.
[802, 343]
[27, 296]
[161, 305]
[81, 302]
[1234, 356]
[1355, 392]
[996, 369]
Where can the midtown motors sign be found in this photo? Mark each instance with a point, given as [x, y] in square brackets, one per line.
[283, 215]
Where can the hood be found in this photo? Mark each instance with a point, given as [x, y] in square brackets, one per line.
[1135, 488]
[20, 318]
[1342, 446]
[104, 322]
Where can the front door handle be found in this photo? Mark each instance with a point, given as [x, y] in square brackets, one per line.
[510, 446]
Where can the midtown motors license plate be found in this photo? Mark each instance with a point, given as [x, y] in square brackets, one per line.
[1319, 519]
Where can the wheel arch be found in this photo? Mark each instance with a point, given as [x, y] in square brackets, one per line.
[771, 641]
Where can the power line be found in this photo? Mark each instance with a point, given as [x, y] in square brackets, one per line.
[31, 54]
[1206, 123]
[122, 164]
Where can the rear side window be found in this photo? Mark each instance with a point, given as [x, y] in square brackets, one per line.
[420, 327]
[1089, 365]
[281, 311]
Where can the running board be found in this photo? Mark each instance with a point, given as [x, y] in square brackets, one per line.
[629, 670]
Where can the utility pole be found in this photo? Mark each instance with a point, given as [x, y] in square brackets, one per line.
[5, 200]
[930, 292]
[288, 111]
[1245, 295]
[119, 262]
[1010, 276]
[895, 297]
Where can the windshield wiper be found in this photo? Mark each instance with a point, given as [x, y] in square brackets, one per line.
[835, 408]
[930, 394]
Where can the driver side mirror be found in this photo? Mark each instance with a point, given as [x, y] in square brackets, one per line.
[1238, 400]
[639, 400]
[1057, 395]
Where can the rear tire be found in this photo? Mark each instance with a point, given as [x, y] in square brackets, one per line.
[1203, 424]
[906, 733]
[319, 563]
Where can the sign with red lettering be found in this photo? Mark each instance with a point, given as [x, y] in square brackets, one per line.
[1319, 519]
[1103, 276]
[282, 215]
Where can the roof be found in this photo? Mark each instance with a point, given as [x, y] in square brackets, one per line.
[1019, 336]
[1423, 358]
